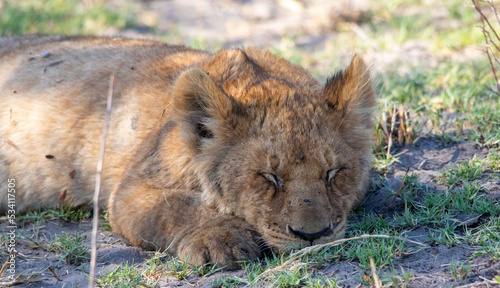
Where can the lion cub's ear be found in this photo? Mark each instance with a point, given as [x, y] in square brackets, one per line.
[200, 106]
[351, 94]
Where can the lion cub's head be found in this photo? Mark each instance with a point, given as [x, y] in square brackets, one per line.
[276, 148]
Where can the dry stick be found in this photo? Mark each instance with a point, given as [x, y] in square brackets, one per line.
[488, 40]
[374, 274]
[478, 9]
[95, 222]
[318, 247]
[389, 141]
[397, 193]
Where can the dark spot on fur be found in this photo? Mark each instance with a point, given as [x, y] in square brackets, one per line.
[203, 131]
[49, 156]
[15, 92]
[245, 250]
[263, 118]
[62, 197]
[300, 158]
[331, 105]
[307, 201]
[72, 174]
[132, 68]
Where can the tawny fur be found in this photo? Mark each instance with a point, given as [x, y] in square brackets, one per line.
[208, 155]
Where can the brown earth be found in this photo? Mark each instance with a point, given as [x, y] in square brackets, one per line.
[430, 266]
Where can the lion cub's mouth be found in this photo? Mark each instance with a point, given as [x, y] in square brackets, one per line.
[311, 236]
[289, 238]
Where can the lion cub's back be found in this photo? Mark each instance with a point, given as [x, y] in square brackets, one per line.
[53, 92]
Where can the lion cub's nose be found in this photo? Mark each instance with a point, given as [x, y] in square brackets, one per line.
[311, 236]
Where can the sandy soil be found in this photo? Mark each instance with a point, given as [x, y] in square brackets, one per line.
[264, 23]
[429, 266]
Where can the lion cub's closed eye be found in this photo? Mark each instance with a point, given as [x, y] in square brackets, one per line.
[210, 156]
[273, 179]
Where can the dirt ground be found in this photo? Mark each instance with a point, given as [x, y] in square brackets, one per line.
[429, 265]
[261, 23]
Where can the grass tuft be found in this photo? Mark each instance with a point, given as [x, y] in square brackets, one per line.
[72, 247]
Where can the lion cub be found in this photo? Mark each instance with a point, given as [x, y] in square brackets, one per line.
[208, 155]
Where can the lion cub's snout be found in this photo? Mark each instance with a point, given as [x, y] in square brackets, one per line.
[311, 236]
[311, 216]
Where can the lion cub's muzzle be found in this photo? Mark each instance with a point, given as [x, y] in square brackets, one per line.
[311, 236]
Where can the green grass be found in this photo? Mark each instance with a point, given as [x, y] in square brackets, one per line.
[60, 16]
[460, 272]
[124, 276]
[60, 213]
[72, 247]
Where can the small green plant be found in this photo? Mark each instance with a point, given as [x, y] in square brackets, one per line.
[486, 237]
[72, 247]
[466, 171]
[292, 278]
[61, 213]
[179, 269]
[227, 282]
[460, 273]
[400, 281]
[124, 276]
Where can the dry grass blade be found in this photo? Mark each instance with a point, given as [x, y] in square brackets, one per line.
[7, 262]
[397, 193]
[395, 124]
[23, 278]
[294, 256]
[95, 222]
[51, 269]
[376, 281]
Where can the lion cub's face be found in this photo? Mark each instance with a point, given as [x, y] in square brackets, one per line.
[291, 159]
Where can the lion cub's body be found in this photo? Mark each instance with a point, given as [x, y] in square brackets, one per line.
[206, 154]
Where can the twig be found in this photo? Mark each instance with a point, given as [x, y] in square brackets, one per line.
[4, 265]
[374, 274]
[51, 269]
[389, 142]
[95, 222]
[488, 38]
[397, 193]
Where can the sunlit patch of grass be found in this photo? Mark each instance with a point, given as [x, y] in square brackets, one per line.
[466, 171]
[61, 213]
[452, 96]
[60, 16]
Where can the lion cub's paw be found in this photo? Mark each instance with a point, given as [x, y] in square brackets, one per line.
[224, 241]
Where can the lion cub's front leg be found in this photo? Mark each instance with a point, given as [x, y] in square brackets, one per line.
[177, 220]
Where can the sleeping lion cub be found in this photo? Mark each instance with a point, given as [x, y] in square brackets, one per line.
[208, 155]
